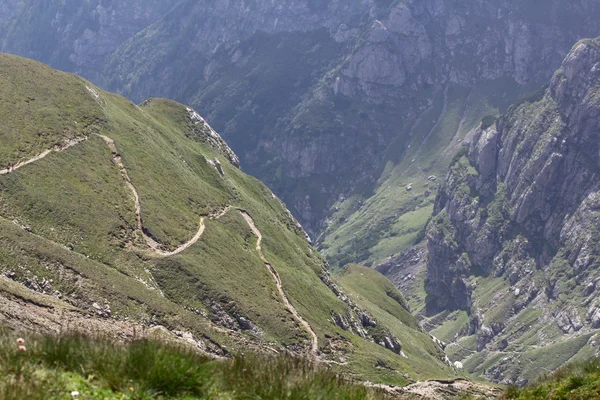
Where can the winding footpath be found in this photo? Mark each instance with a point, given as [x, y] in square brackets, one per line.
[315, 341]
[45, 153]
[156, 247]
[152, 244]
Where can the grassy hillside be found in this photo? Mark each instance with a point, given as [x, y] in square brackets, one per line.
[133, 214]
[579, 380]
[374, 292]
[77, 367]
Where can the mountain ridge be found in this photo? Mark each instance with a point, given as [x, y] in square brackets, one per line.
[98, 225]
[349, 85]
[512, 246]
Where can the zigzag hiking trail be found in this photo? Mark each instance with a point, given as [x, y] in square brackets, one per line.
[155, 247]
[116, 157]
[315, 341]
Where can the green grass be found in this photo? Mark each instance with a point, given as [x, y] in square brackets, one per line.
[373, 292]
[539, 361]
[370, 285]
[243, 288]
[35, 196]
[54, 367]
[51, 115]
[81, 226]
[456, 324]
[462, 349]
[580, 380]
[488, 287]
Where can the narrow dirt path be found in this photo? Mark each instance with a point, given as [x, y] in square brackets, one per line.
[45, 153]
[315, 341]
[189, 243]
[153, 244]
[184, 246]
[119, 162]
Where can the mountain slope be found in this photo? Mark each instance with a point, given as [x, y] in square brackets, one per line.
[573, 380]
[139, 215]
[336, 105]
[513, 246]
[321, 100]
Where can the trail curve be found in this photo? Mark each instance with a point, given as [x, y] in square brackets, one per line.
[315, 341]
[45, 153]
[152, 244]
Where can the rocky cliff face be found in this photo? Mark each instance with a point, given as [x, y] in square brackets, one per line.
[333, 114]
[521, 207]
[73, 36]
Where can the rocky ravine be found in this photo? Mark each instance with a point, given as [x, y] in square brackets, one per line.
[311, 95]
[74, 37]
[515, 240]
[316, 96]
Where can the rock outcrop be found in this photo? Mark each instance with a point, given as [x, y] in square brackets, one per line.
[361, 322]
[207, 134]
[522, 206]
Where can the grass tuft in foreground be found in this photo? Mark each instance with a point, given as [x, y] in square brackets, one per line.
[78, 367]
[573, 381]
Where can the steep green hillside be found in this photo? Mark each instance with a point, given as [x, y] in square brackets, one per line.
[371, 291]
[139, 215]
[579, 380]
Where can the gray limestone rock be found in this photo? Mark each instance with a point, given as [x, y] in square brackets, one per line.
[524, 209]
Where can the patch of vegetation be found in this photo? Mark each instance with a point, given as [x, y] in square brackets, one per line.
[60, 367]
[370, 283]
[579, 380]
[538, 362]
[441, 224]
[455, 325]
[488, 121]
[495, 210]
[460, 155]
[531, 97]
[48, 122]
[422, 233]
[374, 293]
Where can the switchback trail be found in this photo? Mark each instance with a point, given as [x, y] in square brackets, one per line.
[315, 341]
[45, 153]
[152, 244]
[155, 246]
